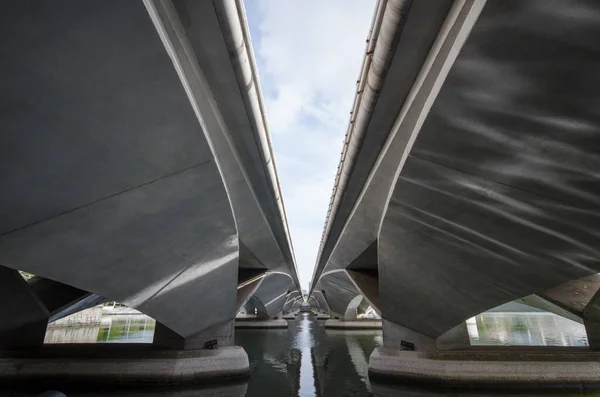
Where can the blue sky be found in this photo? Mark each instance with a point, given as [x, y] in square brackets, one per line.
[308, 55]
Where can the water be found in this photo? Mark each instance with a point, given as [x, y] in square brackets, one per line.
[127, 328]
[307, 360]
[526, 329]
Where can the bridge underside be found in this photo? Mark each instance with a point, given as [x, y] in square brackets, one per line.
[486, 190]
[126, 179]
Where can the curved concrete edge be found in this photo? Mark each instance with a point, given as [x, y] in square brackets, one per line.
[261, 324]
[140, 368]
[493, 369]
[353, 324]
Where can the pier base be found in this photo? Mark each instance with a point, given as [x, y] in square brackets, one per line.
[260, 324]
[353, 324]
[497, 368]
[121, 364]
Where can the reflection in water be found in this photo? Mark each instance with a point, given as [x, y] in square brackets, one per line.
[307, 360]
[341, 359]
[136, 328]
[304, 342]
[528, 329]
[274, 361]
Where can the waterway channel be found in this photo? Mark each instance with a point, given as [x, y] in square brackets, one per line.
[307, 360]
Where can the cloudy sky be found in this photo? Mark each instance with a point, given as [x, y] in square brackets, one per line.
[308, 55]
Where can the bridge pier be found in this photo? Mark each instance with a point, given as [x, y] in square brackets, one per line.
[223, 334]
[24, 316]
[170, 359]
[261, 322]
[350, 318]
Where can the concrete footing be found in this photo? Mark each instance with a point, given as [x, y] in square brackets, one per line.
[353, 324]
[289, 317]
[321, 316]
[260, 324]
[122, 364]
[501, 368]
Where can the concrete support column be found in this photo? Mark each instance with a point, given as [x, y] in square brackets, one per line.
[591, 320]
[24, 317]
[222, 333]
[398, 337]
[455, 339]
[337, 316]
[352, 309]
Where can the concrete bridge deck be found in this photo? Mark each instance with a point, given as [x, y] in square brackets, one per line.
[468, 176]
[137, 166]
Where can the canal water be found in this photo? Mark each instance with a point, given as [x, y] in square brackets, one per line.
[306, 360]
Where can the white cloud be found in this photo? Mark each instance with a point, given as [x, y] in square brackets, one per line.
[308, 54]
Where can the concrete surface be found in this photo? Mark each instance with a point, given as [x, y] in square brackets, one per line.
[261, 324]
[271, 295]
[24, 316]
[353, 324]
[498, 369]
[112, 187]
[471, 192]
[166, 338]
[233, 388]
[122, 364]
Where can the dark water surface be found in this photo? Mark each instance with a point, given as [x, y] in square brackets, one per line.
[307, 360]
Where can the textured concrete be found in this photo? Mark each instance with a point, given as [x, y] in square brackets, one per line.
[270, 297]
[394, 335]
[485, 188]
[112, 187]
[54, 295]
[260, 324]
[24, 316]
[338, 290]
[232, 388]
[493, 369]
[353, 324]
[455, 339]
[455, 206]
[574, 295]
[122, 364]
[222, 333]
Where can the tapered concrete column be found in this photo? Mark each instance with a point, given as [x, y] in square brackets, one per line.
[398, 337]
[337, 316]
[222, 333]
[24, 317]
[455, 339]
[352, 309]
[591, 320]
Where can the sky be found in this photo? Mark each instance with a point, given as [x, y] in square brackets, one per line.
[308, 55]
